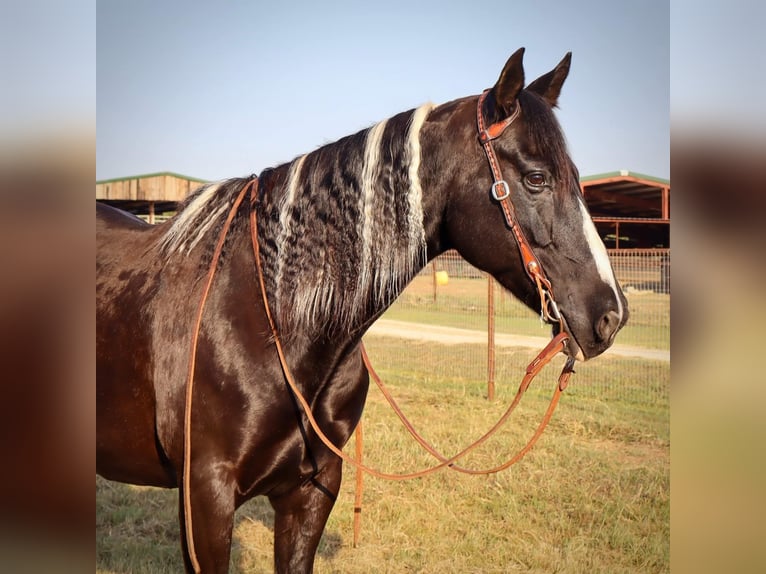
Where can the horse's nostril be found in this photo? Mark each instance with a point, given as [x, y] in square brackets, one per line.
[607, 325]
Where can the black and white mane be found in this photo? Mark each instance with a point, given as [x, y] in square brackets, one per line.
[341, 228]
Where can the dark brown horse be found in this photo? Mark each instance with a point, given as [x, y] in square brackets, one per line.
[342, 230]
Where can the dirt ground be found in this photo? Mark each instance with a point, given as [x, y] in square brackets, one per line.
[455, 336]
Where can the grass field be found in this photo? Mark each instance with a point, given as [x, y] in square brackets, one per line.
[592, 497]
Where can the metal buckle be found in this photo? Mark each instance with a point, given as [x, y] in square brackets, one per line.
[498, 184]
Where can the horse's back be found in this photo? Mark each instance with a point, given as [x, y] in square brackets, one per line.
[113, 217]
[122, 239]
[127, 270]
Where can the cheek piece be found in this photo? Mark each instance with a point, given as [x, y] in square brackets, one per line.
[501, 192]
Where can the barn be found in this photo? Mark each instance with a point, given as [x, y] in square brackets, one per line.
[153, 196]
[630, 210]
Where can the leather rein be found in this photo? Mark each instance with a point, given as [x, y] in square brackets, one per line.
[549, 312]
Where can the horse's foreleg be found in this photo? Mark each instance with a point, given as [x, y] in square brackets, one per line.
[300, 518]
[212, 512]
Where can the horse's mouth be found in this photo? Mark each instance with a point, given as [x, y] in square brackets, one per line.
[571, 348]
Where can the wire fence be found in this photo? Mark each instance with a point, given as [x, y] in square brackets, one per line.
[441, 320]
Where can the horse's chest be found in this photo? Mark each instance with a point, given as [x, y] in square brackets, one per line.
[282, 447]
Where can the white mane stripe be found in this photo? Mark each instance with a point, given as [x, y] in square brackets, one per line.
[203, 228]
[368, 184]
[415, 196]
[285, 214]
[600, 256]
[289, 199]
[174, 237]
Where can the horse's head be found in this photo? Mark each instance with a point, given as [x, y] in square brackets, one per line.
[545, 195]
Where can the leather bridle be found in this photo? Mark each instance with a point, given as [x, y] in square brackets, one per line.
[501, 192]
[549, 312]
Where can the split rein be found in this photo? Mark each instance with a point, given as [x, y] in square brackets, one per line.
[549, 312]
[556, 345]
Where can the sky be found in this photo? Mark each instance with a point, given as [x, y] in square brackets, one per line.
[217, 90]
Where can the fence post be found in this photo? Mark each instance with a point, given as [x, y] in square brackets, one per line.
[433, 275]
[490, 338]
[359, 449]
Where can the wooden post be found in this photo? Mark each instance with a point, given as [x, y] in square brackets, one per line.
[433, 273]
[359, 486]
[151, 212]
[490, 338]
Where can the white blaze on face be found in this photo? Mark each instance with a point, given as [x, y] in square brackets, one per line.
[600, 256]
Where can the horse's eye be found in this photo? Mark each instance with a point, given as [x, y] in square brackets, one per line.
[535, 179]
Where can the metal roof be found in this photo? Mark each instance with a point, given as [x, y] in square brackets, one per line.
[627, 195]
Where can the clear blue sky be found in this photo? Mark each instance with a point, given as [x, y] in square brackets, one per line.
[223, 89]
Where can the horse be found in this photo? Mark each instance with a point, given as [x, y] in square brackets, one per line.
[341, 231]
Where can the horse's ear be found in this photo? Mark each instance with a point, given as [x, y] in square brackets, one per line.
[510, 82]
[549, 85]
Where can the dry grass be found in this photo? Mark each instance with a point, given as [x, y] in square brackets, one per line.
[593, 496]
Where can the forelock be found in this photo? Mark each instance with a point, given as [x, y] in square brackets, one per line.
[545, 135]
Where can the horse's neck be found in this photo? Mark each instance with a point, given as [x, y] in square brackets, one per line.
[344, 226]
